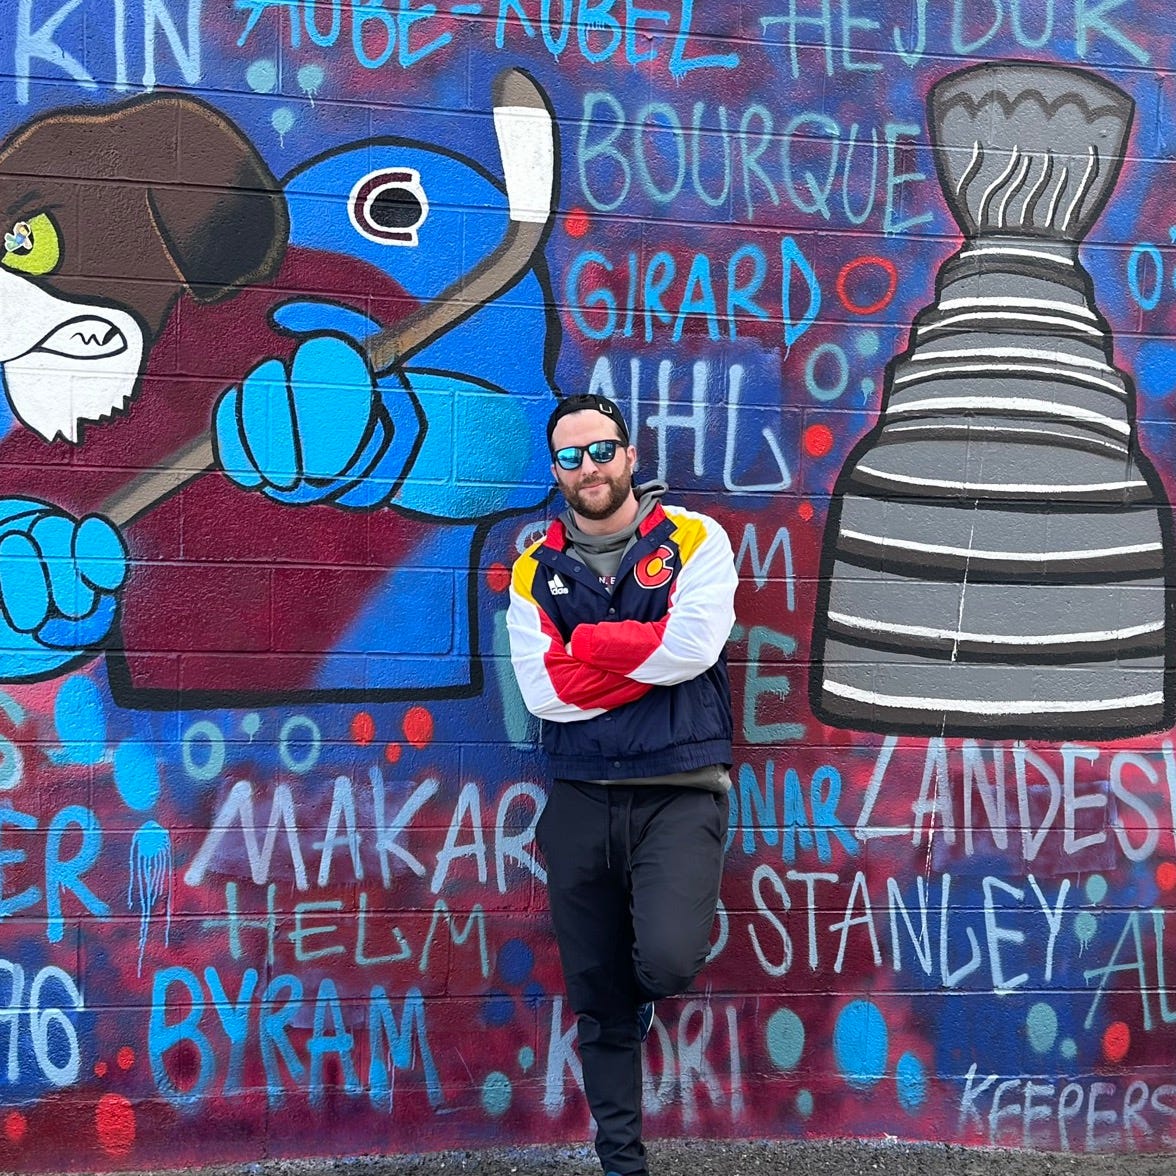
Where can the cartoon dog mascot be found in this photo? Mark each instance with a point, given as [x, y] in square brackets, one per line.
[389, 306]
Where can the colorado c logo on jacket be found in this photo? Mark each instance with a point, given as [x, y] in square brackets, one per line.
[655, 569]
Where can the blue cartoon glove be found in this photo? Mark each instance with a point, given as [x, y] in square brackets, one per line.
[59, 582]
[322, 428]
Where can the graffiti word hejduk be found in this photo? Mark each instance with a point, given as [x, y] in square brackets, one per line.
[964, 939]
[268, 1017]
[1079, 800]
[847, 176]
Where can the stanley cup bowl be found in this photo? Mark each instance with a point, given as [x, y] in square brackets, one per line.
[1028, 148]
[995, 559]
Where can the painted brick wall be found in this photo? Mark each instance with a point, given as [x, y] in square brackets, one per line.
[894, 308]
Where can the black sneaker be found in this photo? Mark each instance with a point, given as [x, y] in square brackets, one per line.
[644, 1019]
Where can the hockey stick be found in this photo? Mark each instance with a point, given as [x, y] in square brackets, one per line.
[525, 131]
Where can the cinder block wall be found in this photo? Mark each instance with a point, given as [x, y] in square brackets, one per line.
[268, 884]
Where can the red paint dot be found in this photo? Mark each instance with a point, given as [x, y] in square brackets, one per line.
[363, 728]
[100, 1069]
[125, 1058]
[498, 577]
[114, 1120]
[392, 752]
[805, 510]
[1166, 875]
[818, 440]
[418, 727]
[1116, 1041]
[15, 1126]
[576, 222]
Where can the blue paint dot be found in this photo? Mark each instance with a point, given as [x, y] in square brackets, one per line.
[1085, 925]
[496, 1094]
[860, 1043]
[515, 961]
[80, 719]
[912, 1081]
[136, 775]
[785, 1035]
[262, 76]
[533, 995]
[866, 343]
[498, 1009]
[526, 1058]
[804, 1103]
[1042, 1025]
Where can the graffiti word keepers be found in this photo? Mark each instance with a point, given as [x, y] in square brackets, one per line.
[951, 956]
[38, 31]
[1087, 1116]
[835, 174]
[269, 1017]
[235, 826]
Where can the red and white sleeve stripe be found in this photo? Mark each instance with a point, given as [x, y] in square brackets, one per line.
[554, 684]
[688, 640]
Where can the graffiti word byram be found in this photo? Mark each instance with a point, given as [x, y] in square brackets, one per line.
[955, 953]
[264, 1016]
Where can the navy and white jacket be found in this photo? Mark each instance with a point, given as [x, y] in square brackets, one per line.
[632, 683]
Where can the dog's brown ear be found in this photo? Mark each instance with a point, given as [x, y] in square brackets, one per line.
[223, 220]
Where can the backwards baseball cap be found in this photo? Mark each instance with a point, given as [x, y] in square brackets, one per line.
[582, 402]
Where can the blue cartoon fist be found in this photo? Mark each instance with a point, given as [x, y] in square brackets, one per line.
[59, 580]
[311, 431]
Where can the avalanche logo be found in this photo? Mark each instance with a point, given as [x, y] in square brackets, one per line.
[656, 568]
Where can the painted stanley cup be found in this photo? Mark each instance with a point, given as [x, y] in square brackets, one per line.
[995, 552]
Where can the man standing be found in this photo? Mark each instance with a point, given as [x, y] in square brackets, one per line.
[618, 620]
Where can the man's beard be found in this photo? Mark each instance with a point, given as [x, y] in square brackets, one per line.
[597, 509]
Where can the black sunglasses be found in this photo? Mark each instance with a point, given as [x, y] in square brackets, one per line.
[571, 457]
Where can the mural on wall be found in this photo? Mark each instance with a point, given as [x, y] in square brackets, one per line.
[289, 288]
[354, 274]
[998, 544]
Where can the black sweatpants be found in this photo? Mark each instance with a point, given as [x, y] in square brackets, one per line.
[633, 880]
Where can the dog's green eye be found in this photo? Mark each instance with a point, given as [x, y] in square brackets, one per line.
[33, 246]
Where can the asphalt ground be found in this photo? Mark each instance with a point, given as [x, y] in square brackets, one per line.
[733, 1158]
